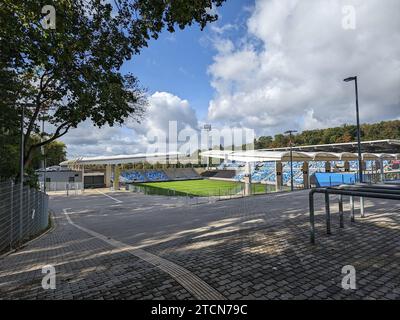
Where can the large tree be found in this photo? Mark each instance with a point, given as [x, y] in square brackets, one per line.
[71, 73]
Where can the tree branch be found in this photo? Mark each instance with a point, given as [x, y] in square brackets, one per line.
[57, 134]
[36, 112]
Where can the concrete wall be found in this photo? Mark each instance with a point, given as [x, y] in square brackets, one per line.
[61, 176]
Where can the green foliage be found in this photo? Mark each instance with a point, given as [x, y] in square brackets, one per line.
[346, 133]
[71, 73]
[9, 139]
[54, 153]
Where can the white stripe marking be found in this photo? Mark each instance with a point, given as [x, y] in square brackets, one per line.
[197, 287]
[104, 194]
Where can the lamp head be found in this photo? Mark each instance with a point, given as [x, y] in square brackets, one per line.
[350, 79]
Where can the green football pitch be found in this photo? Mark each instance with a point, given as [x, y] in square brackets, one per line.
[204, 188]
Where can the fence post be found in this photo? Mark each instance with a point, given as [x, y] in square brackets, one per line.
[28, 213]
[21, 194]
[362, 207]
[352, 208]
[12, 214]
[312, 221]
[341, 222]
[328, 214]
[45, 210]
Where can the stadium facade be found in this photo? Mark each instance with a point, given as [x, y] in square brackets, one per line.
[308, 159]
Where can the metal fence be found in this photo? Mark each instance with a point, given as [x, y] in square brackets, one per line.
[187, 198]
[204, 197]
[377, 177]
[23, 214]
[73, 187]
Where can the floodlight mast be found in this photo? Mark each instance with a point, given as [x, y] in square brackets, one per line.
[207, 127]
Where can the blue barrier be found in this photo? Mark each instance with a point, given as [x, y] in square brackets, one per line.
[328, 179]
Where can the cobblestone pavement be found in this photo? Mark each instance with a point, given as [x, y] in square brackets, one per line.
[250, 248]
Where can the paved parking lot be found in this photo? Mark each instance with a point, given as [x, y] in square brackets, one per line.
[131, 246]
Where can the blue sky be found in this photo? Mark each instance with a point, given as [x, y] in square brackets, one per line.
[267, 66]
[177, 62]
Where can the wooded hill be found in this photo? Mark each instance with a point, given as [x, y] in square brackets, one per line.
[346, 133]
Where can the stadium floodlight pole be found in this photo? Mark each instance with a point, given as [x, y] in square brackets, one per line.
[207, 127]
[291, 157]
[360, 170]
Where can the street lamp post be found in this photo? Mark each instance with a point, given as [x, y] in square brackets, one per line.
[43, 151]
[360, 172]
[291, 157]
[21, 173]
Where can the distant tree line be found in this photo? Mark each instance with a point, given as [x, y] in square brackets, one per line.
[346, 133]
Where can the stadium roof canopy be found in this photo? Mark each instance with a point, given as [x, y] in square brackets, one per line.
[122, 159]
[377, 146]
[372, 150]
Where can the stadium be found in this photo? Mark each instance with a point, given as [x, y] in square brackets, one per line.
[235, 230]
[241, 172]
[191, 151]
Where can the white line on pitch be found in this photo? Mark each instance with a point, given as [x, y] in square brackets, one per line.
[104, 194]
[197, 287]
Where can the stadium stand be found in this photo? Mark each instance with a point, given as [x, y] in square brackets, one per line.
[129, 176]
[260, 172]
[234, 165]
[265, 172]
[181, 174]
[209, 174]
[222, 174]
[156, 175]
[190, 173]
[132, 176]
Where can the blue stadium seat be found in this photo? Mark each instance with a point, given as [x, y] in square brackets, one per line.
[156, 175]
[131, 176]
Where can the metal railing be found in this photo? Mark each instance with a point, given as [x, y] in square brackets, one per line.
[203, 197]
[389, 192]
[23, 214]
[73, 187]
[378, 177]
[190, 199]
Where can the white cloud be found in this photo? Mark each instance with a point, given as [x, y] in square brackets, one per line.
[87, 140]
[156, 133]
[287, 71]
[163, 108]
[222, 29]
